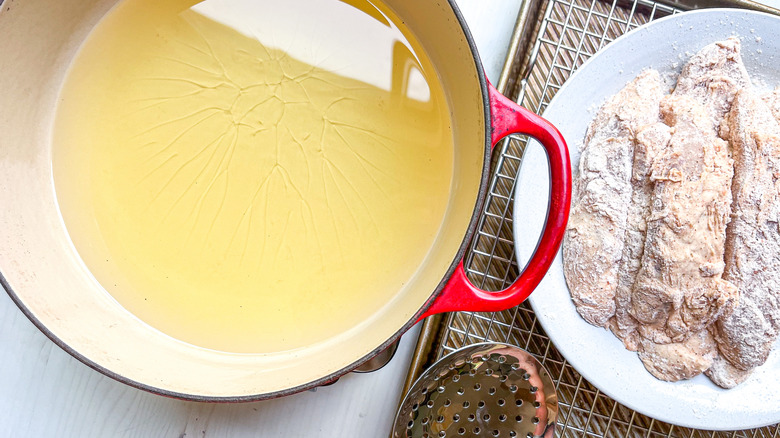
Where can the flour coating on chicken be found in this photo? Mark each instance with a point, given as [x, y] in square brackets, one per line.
[594, 240]
[752, 259]
[674, 239]
[679, 290]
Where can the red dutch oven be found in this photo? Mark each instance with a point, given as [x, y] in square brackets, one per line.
[44, 276]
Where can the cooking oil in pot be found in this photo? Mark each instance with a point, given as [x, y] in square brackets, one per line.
[252, 176]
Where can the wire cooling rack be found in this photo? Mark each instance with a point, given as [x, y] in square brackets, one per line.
[552, 39]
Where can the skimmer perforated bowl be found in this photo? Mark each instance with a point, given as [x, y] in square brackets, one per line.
[485, 390]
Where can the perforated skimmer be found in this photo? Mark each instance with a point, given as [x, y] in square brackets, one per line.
[486, 390]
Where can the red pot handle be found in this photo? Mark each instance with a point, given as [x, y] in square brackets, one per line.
[507, 118]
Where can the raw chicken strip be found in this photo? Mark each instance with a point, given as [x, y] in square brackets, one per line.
[679, 360]
[752, 256]
[679, 291]
[650, 140]
[593, 245]
[713, 76]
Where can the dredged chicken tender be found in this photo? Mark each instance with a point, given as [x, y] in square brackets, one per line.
[752, 257]
[594, 240]
[679, 290]
[713, 76]
[650, 140]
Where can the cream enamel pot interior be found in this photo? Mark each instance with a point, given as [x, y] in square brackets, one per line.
[44, 275]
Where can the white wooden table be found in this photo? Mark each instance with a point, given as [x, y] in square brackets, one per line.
[44, 392]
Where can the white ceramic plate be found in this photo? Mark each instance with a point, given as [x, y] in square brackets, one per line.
[598, 355]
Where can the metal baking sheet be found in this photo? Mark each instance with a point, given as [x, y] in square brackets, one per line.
[663, 45]
[552, 39]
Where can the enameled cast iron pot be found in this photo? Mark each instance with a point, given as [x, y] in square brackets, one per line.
[43, 274]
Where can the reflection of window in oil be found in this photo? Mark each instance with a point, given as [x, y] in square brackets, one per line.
[225, 191]
[409, 84]
[369, 9]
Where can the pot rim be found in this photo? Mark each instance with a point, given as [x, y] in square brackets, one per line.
[332, 377]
